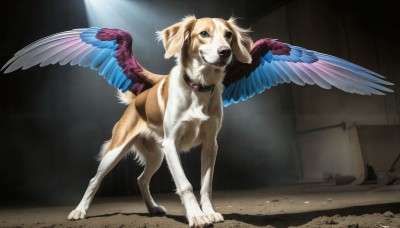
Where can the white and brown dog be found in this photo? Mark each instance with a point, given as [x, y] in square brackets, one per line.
[181, 111]
[169, 114]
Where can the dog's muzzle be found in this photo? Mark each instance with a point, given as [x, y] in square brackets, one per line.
[224, 52]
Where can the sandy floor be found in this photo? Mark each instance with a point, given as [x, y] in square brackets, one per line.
[297, 206]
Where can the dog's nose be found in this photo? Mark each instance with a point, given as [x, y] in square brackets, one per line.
[224, 52]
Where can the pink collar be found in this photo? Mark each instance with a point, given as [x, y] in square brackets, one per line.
[198, 87]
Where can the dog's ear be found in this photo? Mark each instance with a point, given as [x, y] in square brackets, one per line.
[174, 37]
[241, 42]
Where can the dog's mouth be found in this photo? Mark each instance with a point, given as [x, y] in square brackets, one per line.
[219, 63]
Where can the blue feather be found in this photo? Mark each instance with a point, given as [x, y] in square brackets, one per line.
[276, 58]
[250, 90]
[96, 63]
[245, 93]
[90, 32]
[295, 55]
[227, 98]
[254, 84]
[242, 89]
[89, 39]
[126, 85]
[236, 95]
[89, 58]
[228, 91]
[271, 72]
[234, 88]
[227, 94]
[295, 52]
[268, 56]
[110, 67]
[226, 103]
[285, 58]
[121, 78]
[309, 57]
[267, 81]
[100, 43]
[257, 79]
[261, 76]
[113, 77]
[241, 85]
[105, 67]
[262, 61]
[280, 72]
[110, 71]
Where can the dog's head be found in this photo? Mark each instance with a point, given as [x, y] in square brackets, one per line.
[211, 41]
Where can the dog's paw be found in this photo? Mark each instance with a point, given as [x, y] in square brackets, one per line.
[199, 221]
[215, 217]
[76, 215]
[158, 210]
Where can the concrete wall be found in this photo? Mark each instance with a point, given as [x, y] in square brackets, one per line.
[337, 29]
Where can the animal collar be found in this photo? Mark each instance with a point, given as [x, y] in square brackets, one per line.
[198, 87]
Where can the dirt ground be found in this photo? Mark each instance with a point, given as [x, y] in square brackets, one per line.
[295, 206]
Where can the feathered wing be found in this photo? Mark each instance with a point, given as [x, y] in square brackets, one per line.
[275, 62]
[107, 50]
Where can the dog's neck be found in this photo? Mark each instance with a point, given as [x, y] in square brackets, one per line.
[198, 87]
[203, 74]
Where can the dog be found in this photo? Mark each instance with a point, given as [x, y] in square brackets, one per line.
[217, 64]
[171, 116]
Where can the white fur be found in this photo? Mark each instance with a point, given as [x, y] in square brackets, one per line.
[123, 99]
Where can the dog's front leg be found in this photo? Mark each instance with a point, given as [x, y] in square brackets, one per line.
[194, 214]
[208, 157]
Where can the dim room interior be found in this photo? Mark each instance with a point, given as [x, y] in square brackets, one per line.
[298, 156]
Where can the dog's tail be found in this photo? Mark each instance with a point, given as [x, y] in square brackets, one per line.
[125, 98]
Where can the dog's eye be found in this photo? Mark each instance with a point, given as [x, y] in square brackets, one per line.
[228, 34]
[204, 34]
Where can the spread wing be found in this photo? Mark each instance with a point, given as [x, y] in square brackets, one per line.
[275, 62]
[107, 50]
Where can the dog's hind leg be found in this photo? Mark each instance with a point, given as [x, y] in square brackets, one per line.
[152, 156]
[125, 131]
[110, 159]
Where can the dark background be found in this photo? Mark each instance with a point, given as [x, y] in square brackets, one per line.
[53, 120]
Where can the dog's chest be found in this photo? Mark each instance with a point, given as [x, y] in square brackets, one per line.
[191, 125]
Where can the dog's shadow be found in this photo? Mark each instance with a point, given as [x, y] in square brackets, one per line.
[178, 218]
[281, 220]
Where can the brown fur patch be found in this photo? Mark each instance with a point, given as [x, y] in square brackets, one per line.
[174, 37]
[153, 112]
[140, 103]
[241, 42]
[164, 93]
[130, 125]
[148, 107]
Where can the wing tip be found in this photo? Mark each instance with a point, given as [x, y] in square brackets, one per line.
[7, 69]
[7, 65]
